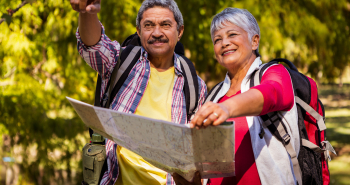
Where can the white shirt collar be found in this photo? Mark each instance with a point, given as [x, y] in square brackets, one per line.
[227, 82]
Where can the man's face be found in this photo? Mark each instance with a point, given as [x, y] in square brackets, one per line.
[158, 32]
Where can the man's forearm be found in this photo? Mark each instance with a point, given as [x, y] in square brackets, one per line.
[89, 28]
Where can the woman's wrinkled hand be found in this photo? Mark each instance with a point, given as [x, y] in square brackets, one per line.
[210, 114]
[179, 180]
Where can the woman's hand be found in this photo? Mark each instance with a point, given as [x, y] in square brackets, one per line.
[181, 181]
[210, 114]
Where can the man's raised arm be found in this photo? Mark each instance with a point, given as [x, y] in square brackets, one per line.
[89, 25]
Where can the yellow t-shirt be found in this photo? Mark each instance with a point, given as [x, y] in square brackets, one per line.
[155, 103]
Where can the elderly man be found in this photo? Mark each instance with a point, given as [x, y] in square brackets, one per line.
[154, 87]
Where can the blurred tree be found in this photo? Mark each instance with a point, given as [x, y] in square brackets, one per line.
[40, 66]
[312, 34]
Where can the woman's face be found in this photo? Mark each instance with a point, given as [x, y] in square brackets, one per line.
[232, 46]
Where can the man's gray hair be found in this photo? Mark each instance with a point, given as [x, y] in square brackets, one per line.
[239, 17]
[170, 4]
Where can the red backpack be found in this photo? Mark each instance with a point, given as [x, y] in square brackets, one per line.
[311, 166]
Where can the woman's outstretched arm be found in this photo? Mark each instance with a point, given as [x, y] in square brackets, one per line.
[275, 93]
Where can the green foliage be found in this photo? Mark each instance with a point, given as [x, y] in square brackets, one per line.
[40, 66]
[7, 18]
[313, 34]
[119, 18]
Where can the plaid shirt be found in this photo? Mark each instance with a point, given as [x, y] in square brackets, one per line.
[102, 57]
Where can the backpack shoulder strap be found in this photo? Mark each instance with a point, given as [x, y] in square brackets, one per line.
[256, 76]
[99, 82]
[213, 92]
[191, 86]
[126, 60]
[112, 82]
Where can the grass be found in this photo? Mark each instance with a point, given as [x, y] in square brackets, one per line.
[337, 105]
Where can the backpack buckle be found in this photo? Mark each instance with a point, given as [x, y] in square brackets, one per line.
[286, 138]
[326, 145]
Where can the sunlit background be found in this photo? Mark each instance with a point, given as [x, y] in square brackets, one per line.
[41, 137]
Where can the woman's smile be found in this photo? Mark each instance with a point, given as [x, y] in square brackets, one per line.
[228, 52]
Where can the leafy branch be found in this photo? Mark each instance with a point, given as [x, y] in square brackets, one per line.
[8, 17]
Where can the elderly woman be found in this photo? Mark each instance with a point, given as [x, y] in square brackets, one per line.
[258, 160]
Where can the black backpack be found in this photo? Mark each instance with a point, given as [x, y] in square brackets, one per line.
[310, 167]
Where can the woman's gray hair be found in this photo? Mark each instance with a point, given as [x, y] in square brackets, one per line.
[170, 4]
[239, 17]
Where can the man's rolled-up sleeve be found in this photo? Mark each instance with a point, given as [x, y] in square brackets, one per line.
[102, 56]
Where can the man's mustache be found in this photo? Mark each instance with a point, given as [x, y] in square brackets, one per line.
[163, 40]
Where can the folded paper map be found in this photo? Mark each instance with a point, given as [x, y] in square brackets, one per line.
[169, 146]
